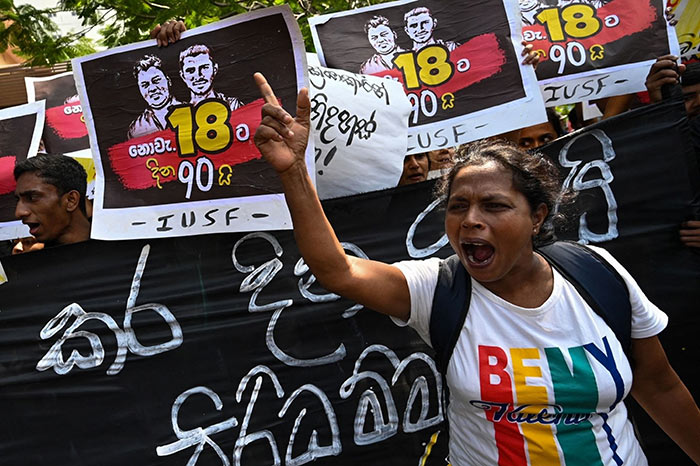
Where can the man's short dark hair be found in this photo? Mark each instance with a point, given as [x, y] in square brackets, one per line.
[415, 12]
[193, 51]
[61, 171]
[375, 21]
[691, 75]
[148, 61]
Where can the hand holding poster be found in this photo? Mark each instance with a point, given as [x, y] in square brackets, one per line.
[360, 126]
[175, 154]
[592, 49]
[65, 131]
[20, 133]
[459, 63]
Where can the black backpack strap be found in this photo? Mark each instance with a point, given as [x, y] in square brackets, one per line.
[598, 283]
[450, 306]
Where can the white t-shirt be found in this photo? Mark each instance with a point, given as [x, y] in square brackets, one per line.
[536, 386]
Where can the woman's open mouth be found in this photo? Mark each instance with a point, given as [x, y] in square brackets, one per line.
[478, 253]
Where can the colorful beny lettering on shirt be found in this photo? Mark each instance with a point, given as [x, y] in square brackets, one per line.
[531, 418]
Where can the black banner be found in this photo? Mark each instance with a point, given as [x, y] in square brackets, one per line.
[219, 348]
[637, 180]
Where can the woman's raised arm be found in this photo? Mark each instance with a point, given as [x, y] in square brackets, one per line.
[282, 141]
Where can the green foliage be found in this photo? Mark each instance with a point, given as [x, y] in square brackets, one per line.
[37, 38]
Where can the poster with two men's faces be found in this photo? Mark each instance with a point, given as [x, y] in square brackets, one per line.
[459, 63]
[172, 128]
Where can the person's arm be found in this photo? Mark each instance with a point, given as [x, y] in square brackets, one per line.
[664, 71]
[611, 106]
[659, 390]
[282, 140]
[690, 233]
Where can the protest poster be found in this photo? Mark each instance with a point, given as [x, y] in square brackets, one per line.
[171, 129]
[217, 349]
[632, 202]
[687, 13]
[459, 63]
[591, 49]
[20, 134]
[359, 125]
[64, 126]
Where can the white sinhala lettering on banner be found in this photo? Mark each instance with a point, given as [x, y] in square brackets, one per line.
[126, 338]
[415, 252]
[314, 450]
[384, 429]
[419, 398]
[575, 180]
[245, 438]
[256, 281]
[198, 436]
[420, 386]
[301, 268]
[259, 277]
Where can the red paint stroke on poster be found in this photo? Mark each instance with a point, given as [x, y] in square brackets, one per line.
[484, 56]
[66, 122]
[634, 16]
[131, 160]
[7, 177]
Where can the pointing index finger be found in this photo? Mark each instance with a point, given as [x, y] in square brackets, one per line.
[265, 90]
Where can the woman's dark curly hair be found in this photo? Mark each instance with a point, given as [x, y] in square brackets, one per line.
[533, 175]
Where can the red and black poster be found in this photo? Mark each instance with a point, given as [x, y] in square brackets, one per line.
[172, 128]
[20, 134]
[64, 126]
[595, 48]
[459, 63]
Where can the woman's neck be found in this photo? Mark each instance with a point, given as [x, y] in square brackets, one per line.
[529, 285]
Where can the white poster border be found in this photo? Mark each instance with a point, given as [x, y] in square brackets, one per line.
[15, 228]
[630, 72]
[114, 223]
[526, 111]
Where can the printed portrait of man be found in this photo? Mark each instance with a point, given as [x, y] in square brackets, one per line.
[154, 86]
[594, 3]
[529, 10]
[198, 70]
[383, 40]
[419, 25]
